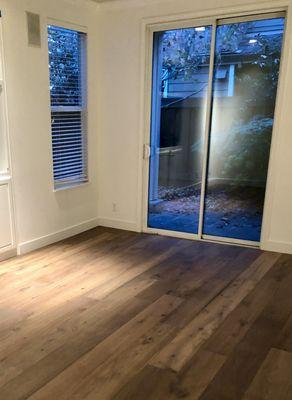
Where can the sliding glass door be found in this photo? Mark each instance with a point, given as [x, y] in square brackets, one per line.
[213, 99]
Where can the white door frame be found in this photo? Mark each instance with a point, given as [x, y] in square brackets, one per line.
[167, 24]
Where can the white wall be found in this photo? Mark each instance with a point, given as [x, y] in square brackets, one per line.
[43, 215]
[121, 121]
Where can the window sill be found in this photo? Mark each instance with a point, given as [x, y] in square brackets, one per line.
[69, 186]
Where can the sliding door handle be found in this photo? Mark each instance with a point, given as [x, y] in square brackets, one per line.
[146, 151]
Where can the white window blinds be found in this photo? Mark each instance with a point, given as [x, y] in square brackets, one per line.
[67, 65]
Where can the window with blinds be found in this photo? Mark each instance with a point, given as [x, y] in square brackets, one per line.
[67, 66]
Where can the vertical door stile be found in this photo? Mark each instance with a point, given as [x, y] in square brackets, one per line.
[155, 121]
[207, 129]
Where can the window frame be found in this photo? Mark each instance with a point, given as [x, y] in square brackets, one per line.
[60, 185]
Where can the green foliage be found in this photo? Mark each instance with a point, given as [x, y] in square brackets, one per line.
[64, 65]
[246, 150]
[184, 50]
[261, 78]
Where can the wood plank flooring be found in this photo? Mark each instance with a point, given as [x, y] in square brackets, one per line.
[116, 315]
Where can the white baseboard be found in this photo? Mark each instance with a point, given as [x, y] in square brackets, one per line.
[6, 253]
[42, 241]
[119, 224]
[279, 247]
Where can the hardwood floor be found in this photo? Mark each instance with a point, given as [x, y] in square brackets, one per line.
[117, 315]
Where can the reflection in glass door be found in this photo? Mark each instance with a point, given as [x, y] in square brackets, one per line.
[212, 117]
[179, 95]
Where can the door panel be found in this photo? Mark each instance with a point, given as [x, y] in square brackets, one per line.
[241, 127]
[179, 95]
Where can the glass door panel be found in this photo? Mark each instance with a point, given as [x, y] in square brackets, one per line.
[179, 96]
[247, 62]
